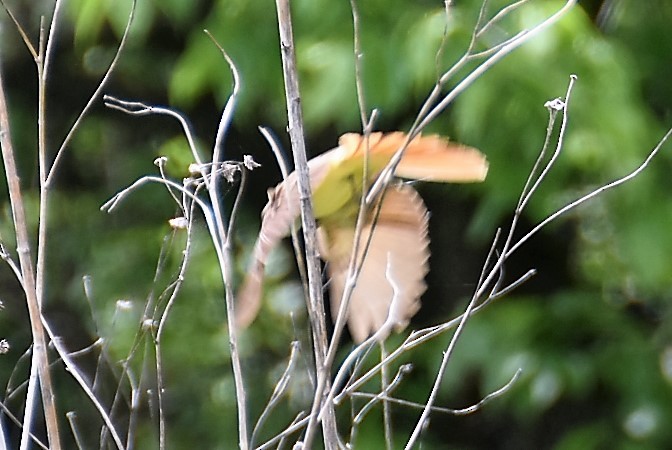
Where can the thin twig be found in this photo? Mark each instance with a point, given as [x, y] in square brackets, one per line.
[529, 186]
[356, 262]
[18, 423]
[235, 210]
[385, 393]
[439, 376]
[432, 107]
[48, 54]
[112, 204]
[457, 412]
[524, 37]
[22, 32]
[279, 391]
[160, 162]
[359, 55]
[222, 240]
[223, 127]
[386, 386]
[94, 97]
[72, 420]
[296, 243]
[227, 113]
[283, 436]
[175, 289]
[367, 214]
[592, 194]
[79, 378]
[295, 426]
[499, 16]
[143, 109]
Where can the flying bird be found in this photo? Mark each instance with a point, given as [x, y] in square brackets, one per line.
[392, 277]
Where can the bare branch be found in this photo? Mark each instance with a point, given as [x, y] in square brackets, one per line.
[175, 289]
[18, 423]
[48, 55]
[315, 305]
[593, 194]
[221, 238]
[26, 40]
[143, 109]
[72, 420]
[457, 412]
[279, 391]
[432, 106]
[28, 275]
[439, 376]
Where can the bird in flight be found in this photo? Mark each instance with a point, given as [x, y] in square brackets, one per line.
[395, 261]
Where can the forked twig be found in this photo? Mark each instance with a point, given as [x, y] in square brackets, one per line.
[592, 194]
[41, 358]
[456, 412]
[509, 248]
[18, 423]
[418, 337]
[375, 399]
[434, 104]
[220, 231]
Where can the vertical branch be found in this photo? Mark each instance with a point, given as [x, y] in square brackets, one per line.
[384, 386]
[356, 262]
[34, 277]
[221, 238]
[42, 223]
[188, 211]
[226, 267]
[225, 121]
[28, 275]
[315, 303]
[357, 48]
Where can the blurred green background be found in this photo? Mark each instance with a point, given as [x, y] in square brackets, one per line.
[591, 332]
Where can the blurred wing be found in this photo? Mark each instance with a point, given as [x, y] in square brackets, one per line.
[280, 212]
[430, 158]
[400, 237]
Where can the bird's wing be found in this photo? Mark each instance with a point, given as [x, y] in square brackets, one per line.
[280, 212]
[400, 240]
[429, 158]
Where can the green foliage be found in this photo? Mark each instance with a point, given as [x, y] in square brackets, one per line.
[593, 343]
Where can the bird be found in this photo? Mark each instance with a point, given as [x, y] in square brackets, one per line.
[395, 262]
